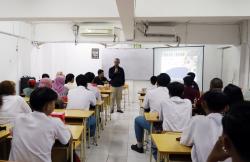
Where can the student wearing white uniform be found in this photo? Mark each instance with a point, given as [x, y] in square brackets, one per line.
[202, 132]
[235, 140]
[69, 81]
[177, 111]
[90, 77]
[34, 134]
[12, 105]
[153, 81]
[151, 103]
[82, 98]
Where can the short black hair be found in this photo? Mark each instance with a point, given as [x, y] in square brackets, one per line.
[191, 74]
[236, 125]
[42, 96]
[100, 71]
[153, 80]
[234, 93]
[45, 75]
[188, 81]
[163, 80]
[216, 101]
[176, 89]
[81, 80]
[216, 83]
[69, 78]
[90, 76]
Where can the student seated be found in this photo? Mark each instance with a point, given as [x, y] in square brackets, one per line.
[216, 84]
[27, 91]
[202, 132]
[177, 111]
[12, 104]
[90, 77]
[151, 103]
[82, 98]
[153, 81]
[45, 82]
[100, 79]
[235, 140]
[45, 75]
[194, 84]
[69, 81]
[58, 86]
[34, 134]
[234, 94]
[190, 92]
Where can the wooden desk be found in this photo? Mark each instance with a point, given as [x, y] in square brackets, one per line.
[79, 114]
[151, 117]
[26, 99]
[76, 131]
[5, 133]
[99, 119]
[167, 144]
[107, 100]
[142, 93]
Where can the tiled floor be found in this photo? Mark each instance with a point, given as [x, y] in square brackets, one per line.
[115, 141]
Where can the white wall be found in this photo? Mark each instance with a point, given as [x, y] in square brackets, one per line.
[231, 65]
[14, 52]
[66, 57]
[190, 34]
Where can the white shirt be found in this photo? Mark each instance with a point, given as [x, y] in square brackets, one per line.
[95, 90]
[34, 135]
[151, 87]
[202, 133]
[13, 106]
[154, 98]
[176, 113]
[80, 98]
[70, 85]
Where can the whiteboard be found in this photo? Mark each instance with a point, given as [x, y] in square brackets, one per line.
[137, 63]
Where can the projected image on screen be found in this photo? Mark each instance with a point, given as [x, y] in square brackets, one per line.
[177, 62]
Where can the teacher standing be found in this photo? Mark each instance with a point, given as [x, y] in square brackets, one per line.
[117, 80]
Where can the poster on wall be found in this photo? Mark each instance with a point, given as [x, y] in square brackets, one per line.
[95, 53]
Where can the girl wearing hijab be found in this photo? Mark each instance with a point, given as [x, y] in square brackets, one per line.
[59, 87]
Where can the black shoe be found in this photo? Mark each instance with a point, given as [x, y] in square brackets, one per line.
[137, 149]
[120, 111]
[112, 111]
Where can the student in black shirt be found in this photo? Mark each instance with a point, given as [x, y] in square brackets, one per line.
[100, 79]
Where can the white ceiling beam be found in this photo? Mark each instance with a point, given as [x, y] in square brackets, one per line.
[126, 12]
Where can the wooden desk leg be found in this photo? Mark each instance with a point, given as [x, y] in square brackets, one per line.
[110, 106]
[158, 156]
[151, 130]
[83, 145]
[72, 151]
[97, 121]
[106, 111]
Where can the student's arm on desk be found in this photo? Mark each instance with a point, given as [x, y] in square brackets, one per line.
[187, 137]
[63, 134]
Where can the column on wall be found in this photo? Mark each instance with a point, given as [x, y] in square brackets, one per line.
[245, 54]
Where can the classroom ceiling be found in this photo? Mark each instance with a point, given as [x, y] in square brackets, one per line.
[126, 12]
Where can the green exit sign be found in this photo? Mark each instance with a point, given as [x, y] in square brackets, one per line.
[137, 45]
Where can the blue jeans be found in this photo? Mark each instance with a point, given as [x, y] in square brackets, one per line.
[91, 123]
[140, 125]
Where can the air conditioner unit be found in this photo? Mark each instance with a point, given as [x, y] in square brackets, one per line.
[97, 31]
